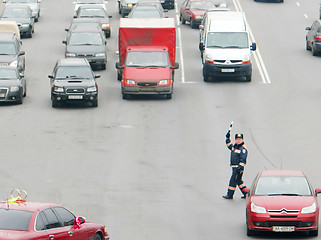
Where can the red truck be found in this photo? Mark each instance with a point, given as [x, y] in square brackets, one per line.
[147, 50]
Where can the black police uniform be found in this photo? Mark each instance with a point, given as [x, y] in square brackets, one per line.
[237, 162]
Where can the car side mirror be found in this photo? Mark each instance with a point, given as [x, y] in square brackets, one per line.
[21, 75]
[118, 66]
[50, 76]
[79, 220]
[66, 29]
[97, 76]
[64, 42]
[110, 16]
[308, 28]
[253, 47]
[201, 27]
[176, 66]
[201, 46]
[21, 53]
[317, 191]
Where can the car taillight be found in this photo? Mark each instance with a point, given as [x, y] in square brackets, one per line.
[318, 38]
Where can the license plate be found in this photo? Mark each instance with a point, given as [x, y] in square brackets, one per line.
[228, 70]
[75, 97]
[283, 229]
[2, 95]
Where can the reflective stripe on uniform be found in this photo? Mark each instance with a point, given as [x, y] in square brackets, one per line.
[242, 185]
[231, 188]
[242, 164]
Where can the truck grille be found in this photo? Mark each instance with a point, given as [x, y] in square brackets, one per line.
[75, 90]
[147, 84]
[3, 93]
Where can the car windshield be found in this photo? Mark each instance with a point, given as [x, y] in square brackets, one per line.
[146, 13]
[75, 24]
[92, 12]
[90, 1]
[15, 13]
[146, 59]
[8, 74]
[85, 38]
[283, 185]
[11, 219]
[7, 48]
[74, 72]
[202, 5]
[22, 1]
[227, 40]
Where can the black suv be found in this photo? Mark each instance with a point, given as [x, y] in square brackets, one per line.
[10, 51]
[73, 80]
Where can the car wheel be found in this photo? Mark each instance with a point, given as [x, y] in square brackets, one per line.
[94, 103]
[182, 19]
[25, 92]
[250, 232]
[314, 53]
[55, 104]
[249, 78]
[307, 45]
[169, 96]
[125, 96]
[97, 237]
[314, 233]
[192, 24]
[103, 66]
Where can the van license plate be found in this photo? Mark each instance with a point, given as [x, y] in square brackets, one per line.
[283, 229]
[228, 70]
[75, 97]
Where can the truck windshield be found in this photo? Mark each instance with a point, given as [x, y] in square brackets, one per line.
[147, 59]
[227, 40]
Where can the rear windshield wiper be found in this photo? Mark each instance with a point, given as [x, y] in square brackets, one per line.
[284, 194]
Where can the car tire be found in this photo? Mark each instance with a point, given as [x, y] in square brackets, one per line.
[314, 233]
[250, 232]
[25, 92]
[169, 96]
[103, 66]
[248, 78]
[94, 103]
[307, 47]
[125, 96]
[182, 19]
[97, 237]
[314, 53]
[55, 104]
[192, 23]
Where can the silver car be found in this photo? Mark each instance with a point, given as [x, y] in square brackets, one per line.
[33, 4]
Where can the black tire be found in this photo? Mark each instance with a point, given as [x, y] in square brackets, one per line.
[249, 78]
[307, 47]
[182, 19]
[97, 237]
[25, 92]
[29, 35]
[103, 66]
[94, 103]
[55, 104]
[314, 53]
[119, 76]
[125, 96]
[192, 24]
[206, 78]
[169, 96]
[314, 233]
[250, 232]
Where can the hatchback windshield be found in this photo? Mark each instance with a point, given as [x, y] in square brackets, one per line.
[146, 13]
[15, 13]
[92, 12]
[203, 5]
[147, 59]
[7, 48]
[8, 74]
[74, 72]
[11, 219]
[282, 185]
[227, 39]
[85, 38]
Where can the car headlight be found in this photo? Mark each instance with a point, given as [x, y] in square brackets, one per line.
[209, 58]
[105, 25]
[14, 64]
[129, 5]
[310, 209]
[14, 89]
[25, 25]
[222, 5]
[92, 89]
[59, 89]
[100, 55]
[164, 82]
[257, 209]
[198, 17]
[70, 54]
[246, 59]
[132, 82]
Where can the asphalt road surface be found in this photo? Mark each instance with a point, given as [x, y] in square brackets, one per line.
[151, 168]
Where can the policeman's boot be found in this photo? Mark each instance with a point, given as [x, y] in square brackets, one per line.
[227, 197]
[229, 194]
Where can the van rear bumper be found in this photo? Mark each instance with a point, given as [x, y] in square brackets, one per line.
[227, 70]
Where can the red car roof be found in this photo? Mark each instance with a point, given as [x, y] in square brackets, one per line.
[282, 173]
[28, 206]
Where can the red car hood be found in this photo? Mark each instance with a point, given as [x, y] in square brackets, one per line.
[198, 12]
[12, 234]
[280, 202]
[146, 74]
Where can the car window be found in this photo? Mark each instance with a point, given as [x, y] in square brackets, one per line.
[70, 72]
[11, 219]
[85, 38]
[15, 13]
[40, 222]
[53, 221]
[66, 217]
[92, 12]
[145, 59]
[203, 5]
[7, 48]
[315, 26]
[22, 1]
[146, 13]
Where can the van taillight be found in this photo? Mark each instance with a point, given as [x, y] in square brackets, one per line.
[318, 38]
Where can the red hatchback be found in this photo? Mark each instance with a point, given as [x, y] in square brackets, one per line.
[37, 221]
[282, 201]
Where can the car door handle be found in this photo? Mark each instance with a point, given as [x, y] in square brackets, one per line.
[70, 232]
[51, 236]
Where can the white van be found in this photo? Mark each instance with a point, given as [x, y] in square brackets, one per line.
[9, 27]
[225, 46]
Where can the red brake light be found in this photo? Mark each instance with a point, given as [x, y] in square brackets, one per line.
[318, 38]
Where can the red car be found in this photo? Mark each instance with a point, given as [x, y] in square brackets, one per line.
[282, 201]
[37, 221]
[193, 11]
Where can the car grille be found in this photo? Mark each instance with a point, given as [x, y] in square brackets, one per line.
[231, 61]
[147, 84]
[3, 93]
[283, 223]
[75, 90]
[85, 55]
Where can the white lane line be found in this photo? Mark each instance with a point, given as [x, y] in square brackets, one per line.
[297, 3]
[180, 47]
[257, 55]
[306, 16]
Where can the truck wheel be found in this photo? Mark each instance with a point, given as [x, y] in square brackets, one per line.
[118, 76]
[169, 96]
[94, 103]
[182, 19]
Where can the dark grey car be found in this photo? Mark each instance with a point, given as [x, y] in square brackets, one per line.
[147, 10]
[313, 38]
[73, 80]
[22, 15]
[87, 42]
[83, 22]
[11, 53]
[13, 85]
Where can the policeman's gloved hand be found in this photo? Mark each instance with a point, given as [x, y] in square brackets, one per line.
[228, 135]
[240, 168]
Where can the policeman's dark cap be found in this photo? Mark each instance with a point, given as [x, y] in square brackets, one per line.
[238, 135]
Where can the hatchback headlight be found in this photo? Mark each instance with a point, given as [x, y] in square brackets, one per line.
[14, 64]
[198, 17]
[100, 55]
[310, 209]
[257, 209]
[164, 82]
[92, 89]
[70, 54]
[105, 25]
[59, 89]
[132, 82]
[14, 89]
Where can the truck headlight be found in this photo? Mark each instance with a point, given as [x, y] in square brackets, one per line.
[131, 82]
[105, 25]
[14, 64]
[257, 209]
[14, 89]
[310, 209]
[70, 54]
[100, 55]
[92, 89]
[164, 82]
[59, 89]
